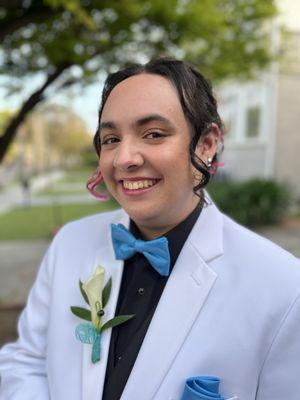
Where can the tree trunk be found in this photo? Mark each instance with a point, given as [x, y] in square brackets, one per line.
[10, 132]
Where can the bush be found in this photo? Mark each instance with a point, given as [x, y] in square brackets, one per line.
[252, 203]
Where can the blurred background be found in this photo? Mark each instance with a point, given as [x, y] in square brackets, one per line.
[54, 57]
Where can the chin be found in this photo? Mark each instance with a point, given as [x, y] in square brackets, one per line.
[144, 216]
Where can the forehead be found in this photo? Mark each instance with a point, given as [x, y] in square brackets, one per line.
[143, 94]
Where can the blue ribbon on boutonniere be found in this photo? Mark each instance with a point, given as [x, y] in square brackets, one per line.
[203, 388]
[96, 296]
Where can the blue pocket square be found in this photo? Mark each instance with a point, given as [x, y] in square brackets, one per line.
[202, 388]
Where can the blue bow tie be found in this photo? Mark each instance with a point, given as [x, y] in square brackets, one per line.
[156, 251]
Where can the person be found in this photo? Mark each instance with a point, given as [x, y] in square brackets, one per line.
[218, 302]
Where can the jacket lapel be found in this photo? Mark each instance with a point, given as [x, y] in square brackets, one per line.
[93, 375]
[180, 304]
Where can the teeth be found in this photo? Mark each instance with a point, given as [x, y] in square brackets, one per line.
[138, 184]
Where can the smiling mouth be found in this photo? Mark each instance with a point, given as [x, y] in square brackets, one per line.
[140, 184]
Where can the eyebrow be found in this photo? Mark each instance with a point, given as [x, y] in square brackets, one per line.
[153, 118]
[140, 122]
[107, 125]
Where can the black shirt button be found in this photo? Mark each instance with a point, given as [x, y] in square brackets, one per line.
[141, 291]
[119, 358]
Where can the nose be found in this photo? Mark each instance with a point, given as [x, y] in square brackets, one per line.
[128, 156]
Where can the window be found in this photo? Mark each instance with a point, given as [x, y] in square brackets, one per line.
[253, 122]
[228, 127]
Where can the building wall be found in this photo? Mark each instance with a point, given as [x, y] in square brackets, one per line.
[243, 161]
[275, 151]
[246, 110]
[287, 149]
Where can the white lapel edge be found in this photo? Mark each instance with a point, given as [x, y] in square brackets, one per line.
[93, 375]
[196, 279]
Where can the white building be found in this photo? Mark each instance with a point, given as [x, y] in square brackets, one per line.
[262, 118]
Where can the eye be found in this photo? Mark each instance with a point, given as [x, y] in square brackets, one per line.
[155, 135]
[109, 140]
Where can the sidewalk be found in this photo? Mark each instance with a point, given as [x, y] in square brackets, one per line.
[286, 235]
[19, 261]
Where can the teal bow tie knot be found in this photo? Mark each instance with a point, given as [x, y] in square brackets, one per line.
[156, 251]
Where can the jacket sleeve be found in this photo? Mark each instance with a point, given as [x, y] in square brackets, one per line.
[279, 378]
[23, 371]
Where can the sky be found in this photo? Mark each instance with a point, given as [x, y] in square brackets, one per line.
[86, 102]
[291, 14]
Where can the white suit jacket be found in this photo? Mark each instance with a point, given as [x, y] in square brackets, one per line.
[230, 308]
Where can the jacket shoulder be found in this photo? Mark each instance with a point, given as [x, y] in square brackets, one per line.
[89, 230]
[260, 255]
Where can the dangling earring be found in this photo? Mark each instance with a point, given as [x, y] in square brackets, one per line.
[213, 166]
[209, 162]
[94, 181]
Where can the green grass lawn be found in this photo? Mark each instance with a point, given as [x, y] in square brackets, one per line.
[41, 222]
[61, 192]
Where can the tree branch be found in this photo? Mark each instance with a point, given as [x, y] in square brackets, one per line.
[36, 97]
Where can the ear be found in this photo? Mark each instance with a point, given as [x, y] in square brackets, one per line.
[208, 144]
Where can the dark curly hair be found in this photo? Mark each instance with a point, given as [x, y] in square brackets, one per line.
[196, 97]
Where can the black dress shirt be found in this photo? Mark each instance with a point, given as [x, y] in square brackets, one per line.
[140, 291]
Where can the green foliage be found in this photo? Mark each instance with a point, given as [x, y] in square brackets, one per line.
[84, 295]
[74, 40]
[89, 158]
[252, 203]
[75, 8]
[106, 292]
[120, 319]
[223, 37]
[82, 313]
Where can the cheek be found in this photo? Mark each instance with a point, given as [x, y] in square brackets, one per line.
[176, 154]
[104, 164]
[179, 169]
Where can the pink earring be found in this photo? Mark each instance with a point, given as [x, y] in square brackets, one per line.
[214, 167]
[94, 181]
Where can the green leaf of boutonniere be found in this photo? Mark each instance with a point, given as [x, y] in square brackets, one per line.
[83, 293]
[120, 319]
[106, 292]
[82, 313]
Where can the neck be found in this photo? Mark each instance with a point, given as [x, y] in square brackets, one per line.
[150, 231]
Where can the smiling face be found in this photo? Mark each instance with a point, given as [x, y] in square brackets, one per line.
[144, 156]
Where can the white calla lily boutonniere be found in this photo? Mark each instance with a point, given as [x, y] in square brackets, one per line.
[96, 295]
